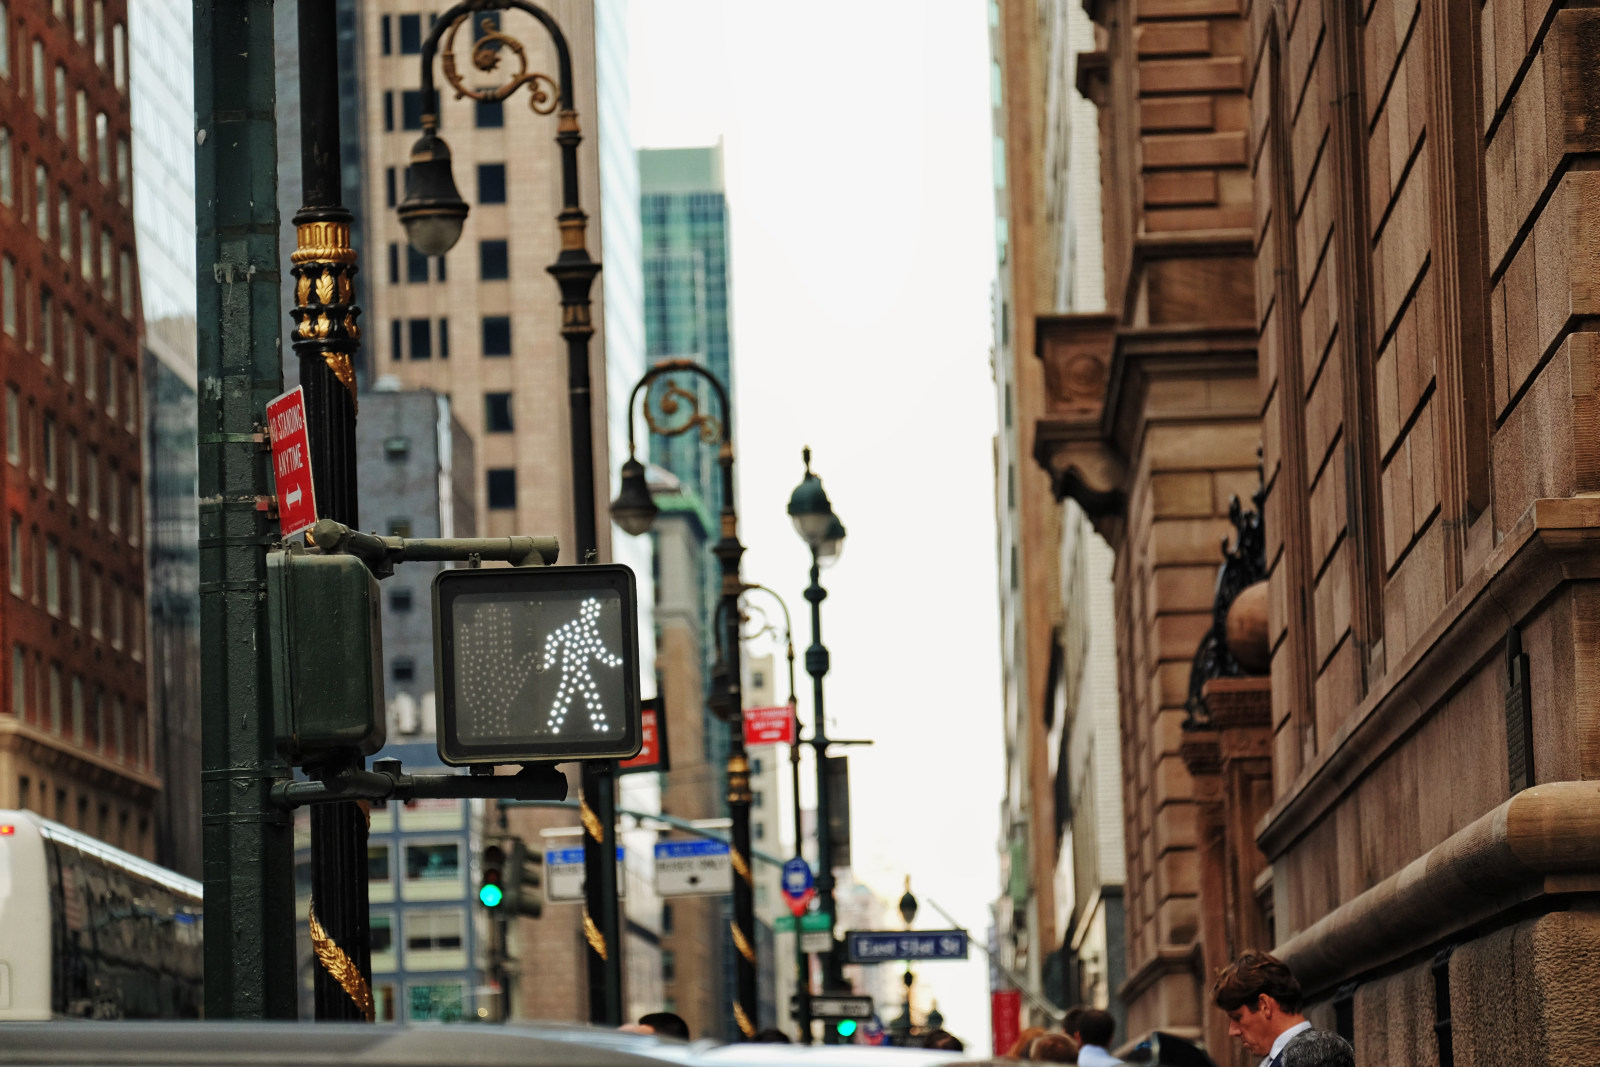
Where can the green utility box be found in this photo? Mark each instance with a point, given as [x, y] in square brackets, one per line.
[326, 641]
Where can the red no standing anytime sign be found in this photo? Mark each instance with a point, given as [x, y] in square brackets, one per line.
[291, 462]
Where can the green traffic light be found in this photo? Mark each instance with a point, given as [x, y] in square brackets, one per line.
[846, 1027]
[491, 896]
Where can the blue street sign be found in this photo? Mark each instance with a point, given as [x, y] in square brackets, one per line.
[877, 946]
[559, 856]
[677, 850]
[797, 880]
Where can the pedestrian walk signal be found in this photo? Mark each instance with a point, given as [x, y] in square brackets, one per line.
[536, 663]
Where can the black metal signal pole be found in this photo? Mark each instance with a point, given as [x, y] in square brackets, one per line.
[326, 337]
[248, 842]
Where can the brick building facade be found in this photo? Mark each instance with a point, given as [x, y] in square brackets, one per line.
[74, 732]
[1354, 236]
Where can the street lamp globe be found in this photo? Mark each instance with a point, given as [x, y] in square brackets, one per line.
[908, 905]
[809, 508]
[433, 210]
[832, 546]
[634, 509]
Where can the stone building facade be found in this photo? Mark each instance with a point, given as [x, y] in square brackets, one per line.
[1354, 236]
[75, 735]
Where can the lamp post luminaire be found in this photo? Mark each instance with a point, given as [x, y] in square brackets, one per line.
[433, 213]
[824, 534]
[634, 510]
[802, 972]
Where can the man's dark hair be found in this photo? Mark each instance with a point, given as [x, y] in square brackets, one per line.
[943, 1040]
[1096, 1027]
[771, 1036]
[1253, 975]
[666, 1024]
[1069, 1021]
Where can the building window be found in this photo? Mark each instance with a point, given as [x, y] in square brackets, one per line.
[61, 102]
[52, 577]
[5, 39]
[92, 468]
[497, 412]
[124, 172]
[17, 566]
[8, 282]
[99, 33]
[669, 965]
[7, 194]
[40, 103]
[47, 327]
[404, 669]
[64, 222]
[496, 335]
[13, 425]
[377, 863]
[411, 109]
[72, 467]
[41, 202]
[19, 682]
[55, 702]
[85, 245]
[410, 35]
[82, 114]
[493, 261]
[416, 265]
[444, 334]
[394, 340]
[125, 286]
[49, 451]
[386, 32]
[394, 263]
[502, 486]
[382, 927]
[80, 23]
[434, 930]
[666, 920]
[442, 274]
[108, 278]
[75, 590]
[102, 146]
[490, 114]
[396, 448]
[491, 183]
[388, 187]
[388, 111]
[119, 56]
[421, 338]
[433, 862]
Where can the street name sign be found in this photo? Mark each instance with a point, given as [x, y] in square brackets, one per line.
[563, 875]
[877, 946]
[291, 461]
[824, 1006]
[693, 868]
[816, 932]
[769, 726]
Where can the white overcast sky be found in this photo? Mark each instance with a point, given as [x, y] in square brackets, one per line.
[858, 159]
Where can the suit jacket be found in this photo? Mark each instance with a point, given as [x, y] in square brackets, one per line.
[1318, 1048]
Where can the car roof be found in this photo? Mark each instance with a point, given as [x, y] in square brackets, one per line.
[72, 1043]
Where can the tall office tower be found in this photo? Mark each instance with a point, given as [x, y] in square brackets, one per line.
[482, 324]
[75, 738]
[161, 73]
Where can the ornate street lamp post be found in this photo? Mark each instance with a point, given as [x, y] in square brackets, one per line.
[802, 976]
[822, 531]
[635, 512]
[433, 212]
[903, 1026]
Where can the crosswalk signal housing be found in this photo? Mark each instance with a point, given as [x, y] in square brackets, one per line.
[536, 663]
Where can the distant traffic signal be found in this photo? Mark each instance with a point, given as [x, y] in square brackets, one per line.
[845, 1027]
[512, 878]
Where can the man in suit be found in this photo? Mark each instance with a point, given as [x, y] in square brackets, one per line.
[1263, 1002]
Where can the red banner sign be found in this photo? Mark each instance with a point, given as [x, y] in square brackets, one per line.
[652, 733]
[769, 726]
[291, 462]
[1005, 1018]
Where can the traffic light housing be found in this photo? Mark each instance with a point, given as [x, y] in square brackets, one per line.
[512, 879]
[536, 663]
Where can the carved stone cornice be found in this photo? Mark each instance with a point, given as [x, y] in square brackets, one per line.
[49, 751]
[1556, 541]
[1544, 840]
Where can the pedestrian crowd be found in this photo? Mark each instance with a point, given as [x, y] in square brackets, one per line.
[1258, 993]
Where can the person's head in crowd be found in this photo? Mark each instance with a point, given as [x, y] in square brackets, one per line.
[943, 1041]
[1262, 999]
[1019, 1047]
[1069, 1021]
[1095, 1027]
[771, 1036]
[1053, 1048]
[666, 1024]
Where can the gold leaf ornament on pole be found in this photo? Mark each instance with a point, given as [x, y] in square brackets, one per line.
[543, 91]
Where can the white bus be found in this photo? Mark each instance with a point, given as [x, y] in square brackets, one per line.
[91, 932]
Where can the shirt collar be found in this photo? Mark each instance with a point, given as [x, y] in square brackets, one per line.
[1283, 1040]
